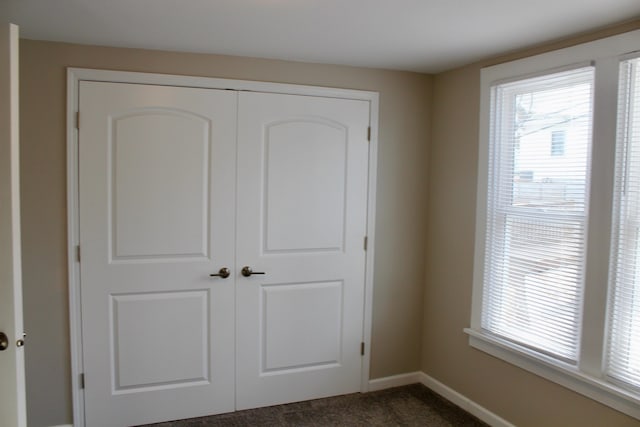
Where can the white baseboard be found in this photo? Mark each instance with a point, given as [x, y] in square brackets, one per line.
[394, 381]
[64, 425]
[448, 393]
[464, 402]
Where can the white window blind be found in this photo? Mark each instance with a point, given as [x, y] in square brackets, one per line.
[536, 211]
[623, 349]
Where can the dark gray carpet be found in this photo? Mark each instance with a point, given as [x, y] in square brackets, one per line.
[412, 405]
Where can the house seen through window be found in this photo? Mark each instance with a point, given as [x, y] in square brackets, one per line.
[557, 142]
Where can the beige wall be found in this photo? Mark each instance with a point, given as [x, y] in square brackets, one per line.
[401, 200]
[402, 330]
[521, 398]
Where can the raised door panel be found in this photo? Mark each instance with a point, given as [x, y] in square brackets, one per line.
[305, 213]
[173, 353]
[307, 314]
[159, 188]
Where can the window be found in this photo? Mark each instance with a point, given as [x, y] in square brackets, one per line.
[536, 226]
[623, 347]
[557, 260]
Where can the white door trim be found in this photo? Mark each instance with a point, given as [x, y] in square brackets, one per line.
[13, 404]
[75, 75]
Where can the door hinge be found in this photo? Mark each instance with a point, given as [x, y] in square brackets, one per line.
[362, 348]
[369, 133]
[81, 381]
[77, 119]
[78, 253]
[366, 242]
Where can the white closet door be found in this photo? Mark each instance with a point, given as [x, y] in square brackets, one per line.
[302, 193]
[156, 195]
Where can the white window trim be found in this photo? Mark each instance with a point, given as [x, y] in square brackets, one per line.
[587, 378]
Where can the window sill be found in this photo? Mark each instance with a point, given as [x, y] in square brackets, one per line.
[560, 373]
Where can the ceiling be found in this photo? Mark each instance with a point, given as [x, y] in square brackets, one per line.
[416, 35]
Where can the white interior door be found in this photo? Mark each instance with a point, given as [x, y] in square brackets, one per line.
[156, 208]
[168, 194]
[302, 197]
[12, 391]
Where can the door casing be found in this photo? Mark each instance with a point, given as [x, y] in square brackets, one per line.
[76, 75]
[12, 390]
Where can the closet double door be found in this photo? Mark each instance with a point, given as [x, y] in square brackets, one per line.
[222, 259]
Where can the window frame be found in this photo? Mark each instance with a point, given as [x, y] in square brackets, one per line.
[587, 377]
[503, 100]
